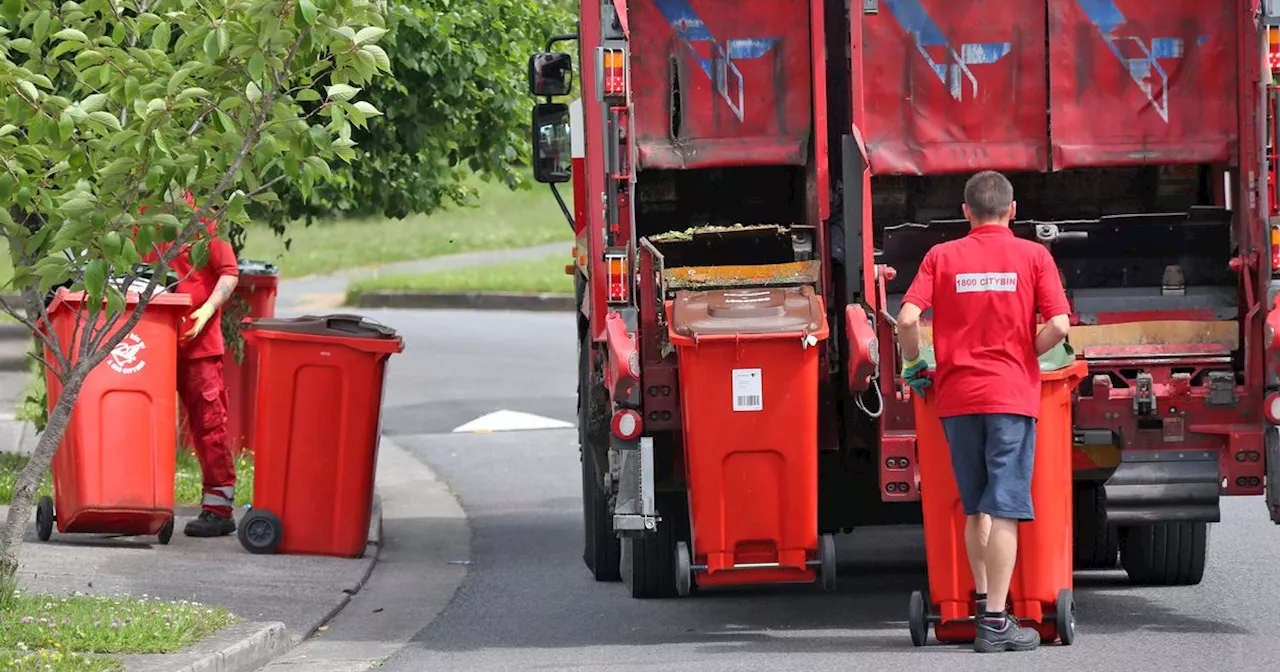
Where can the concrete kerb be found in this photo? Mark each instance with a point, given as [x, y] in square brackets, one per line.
[467, 300]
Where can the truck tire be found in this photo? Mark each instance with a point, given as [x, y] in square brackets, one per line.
[1165, 554]
[601, 546]
[648, 562]
[1097, 545]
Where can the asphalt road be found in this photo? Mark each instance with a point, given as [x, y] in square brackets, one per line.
[528, 602]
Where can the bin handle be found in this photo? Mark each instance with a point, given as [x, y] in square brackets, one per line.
[340, 320]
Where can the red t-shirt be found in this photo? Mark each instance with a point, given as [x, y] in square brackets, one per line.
[199, 285]
[985, 290]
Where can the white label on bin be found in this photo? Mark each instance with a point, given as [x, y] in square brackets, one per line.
[124, 358]
[748, 390]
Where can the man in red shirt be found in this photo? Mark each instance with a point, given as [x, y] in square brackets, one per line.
[985, 290]
[200, 384]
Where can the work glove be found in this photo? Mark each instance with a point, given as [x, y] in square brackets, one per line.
[198, 319]
[913, 373]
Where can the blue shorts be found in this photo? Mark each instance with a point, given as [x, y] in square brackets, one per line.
[992, 456]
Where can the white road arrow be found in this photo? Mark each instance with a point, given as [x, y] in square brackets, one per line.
[510, 421]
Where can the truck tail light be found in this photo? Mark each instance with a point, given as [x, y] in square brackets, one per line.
[613, 67]
[1275, 248]
[617, 278]
[1272, 408]
[627, 424]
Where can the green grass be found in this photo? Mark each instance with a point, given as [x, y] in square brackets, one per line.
[504, 219]
[41, 632]
[187, 483]
[544, 274]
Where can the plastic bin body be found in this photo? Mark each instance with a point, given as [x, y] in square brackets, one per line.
[114, 469]
[748, 371]
[257, 286]
[1044, 562]
[316, 428]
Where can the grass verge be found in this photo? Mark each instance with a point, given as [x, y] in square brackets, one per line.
[187, 483]
[41, 632]
[541, 275]
[504, 219]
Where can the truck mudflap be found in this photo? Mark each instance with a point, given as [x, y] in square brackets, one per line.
[1162, 486]
[1271, 440]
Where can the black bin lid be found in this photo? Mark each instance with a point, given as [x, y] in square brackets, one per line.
[342, 325]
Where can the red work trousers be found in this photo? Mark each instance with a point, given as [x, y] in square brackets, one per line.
[204, 397]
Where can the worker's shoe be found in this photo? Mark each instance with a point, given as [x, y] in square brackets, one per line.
[210, 524]
[1003, 634]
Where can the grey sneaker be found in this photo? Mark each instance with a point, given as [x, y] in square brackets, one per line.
[1010, 636]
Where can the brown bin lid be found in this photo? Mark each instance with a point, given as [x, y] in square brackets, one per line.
[756, 310]
[346, 326]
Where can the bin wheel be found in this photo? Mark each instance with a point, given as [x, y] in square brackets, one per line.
[918, 619]
[166, 532]
[1065, 615]
[44, 518]
[684, 571]
[827, 554]
[260, 532]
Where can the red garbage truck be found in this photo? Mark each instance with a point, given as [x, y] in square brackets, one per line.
[736, 166]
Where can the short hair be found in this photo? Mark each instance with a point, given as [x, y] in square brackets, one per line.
[988, 195]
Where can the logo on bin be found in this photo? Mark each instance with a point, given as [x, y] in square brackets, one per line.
[124, 357]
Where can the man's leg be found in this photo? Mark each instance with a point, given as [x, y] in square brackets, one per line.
[1010, 453]
[204, 395]
[966, 436]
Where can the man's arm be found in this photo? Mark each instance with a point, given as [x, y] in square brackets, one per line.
[918, 298]
[909, 331]
[1051, 301]
[223, 259]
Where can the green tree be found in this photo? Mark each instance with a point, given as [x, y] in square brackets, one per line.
[457, 102]
[114, 110]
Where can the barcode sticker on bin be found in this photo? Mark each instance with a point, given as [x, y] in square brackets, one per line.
[748, 390]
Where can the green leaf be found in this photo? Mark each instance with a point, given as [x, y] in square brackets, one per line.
[89, 57]
[37, 241]
[8, 129]
[93, 102]
[369, 34]
[95, 278]
[160, 37]
[115, 300]
[308, 96]
[320, 165]
[211, 45]
[257, 65]
[308, 10]
[41, 29]
[200, 253]
[380, 57]
[341, 92]
[106, 119]
[66, 128]
[29, 90]
[71, 34]
[367, 109]
[252, 92]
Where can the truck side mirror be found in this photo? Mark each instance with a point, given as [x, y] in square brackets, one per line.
[550, 74]
[552, 143]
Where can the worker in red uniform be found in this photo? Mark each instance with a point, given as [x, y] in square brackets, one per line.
[985, 290]
[200, 384]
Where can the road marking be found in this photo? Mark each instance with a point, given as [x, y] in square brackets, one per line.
[510, 421]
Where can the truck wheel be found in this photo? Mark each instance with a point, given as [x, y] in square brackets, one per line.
[1165, 554]
[601, 547]
[648, 561]
[1097, 545]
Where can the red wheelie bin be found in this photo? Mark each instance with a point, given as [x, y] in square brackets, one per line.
[748, 371]
[315, 434]
[257, 287]
[1041, 589]
[114, 469]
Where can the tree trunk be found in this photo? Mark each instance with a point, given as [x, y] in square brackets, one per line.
[28, 483]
